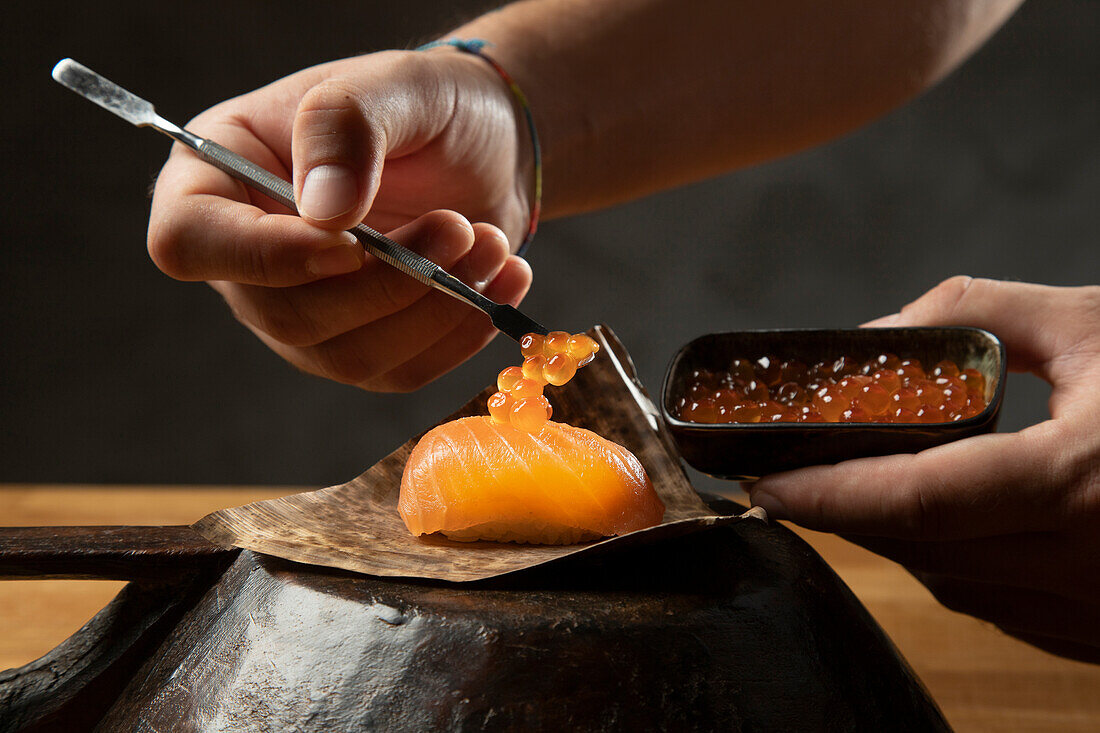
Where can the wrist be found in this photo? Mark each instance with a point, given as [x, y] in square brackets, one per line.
[505, 93]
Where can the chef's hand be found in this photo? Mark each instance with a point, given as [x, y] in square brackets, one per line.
[1005, 527]
[394, 137]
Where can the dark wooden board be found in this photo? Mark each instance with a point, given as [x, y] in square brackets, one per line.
[737, 627]
[104, 553]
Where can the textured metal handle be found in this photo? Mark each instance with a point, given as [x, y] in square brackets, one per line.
[246, 171]
[374, 242]
[397, 256]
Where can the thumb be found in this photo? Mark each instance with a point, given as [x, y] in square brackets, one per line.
[337, 156]
[1035, 322]
[345, 127]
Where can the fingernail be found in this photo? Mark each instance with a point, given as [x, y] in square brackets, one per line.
[328, 191]
[336, 260]
[476, 272]
[769, 503]
[482, 264]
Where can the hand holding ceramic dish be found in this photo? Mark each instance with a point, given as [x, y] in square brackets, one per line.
[999, 526]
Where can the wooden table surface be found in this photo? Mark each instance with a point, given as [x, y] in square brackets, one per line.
[982, 679]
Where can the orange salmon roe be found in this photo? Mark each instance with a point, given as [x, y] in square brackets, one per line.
[508, 378]
[883, 389]
[531, 344]
[500, 407]
[556, 342]
[581, 346]
[551, 359]
[530, 414]
[526, 388]
[559, 369]
[533, 366]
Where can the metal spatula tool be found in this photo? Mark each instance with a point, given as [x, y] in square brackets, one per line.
[137, 111]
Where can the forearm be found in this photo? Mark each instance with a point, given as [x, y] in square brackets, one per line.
[633, 96]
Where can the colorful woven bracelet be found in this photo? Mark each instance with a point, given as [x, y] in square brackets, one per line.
[476, 47]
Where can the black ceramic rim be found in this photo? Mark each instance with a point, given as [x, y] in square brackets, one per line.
[990, 410]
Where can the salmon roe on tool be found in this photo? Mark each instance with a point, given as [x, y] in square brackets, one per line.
[550, 359]
[884, 389]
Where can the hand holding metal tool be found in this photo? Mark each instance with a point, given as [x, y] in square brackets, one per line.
[141, 113]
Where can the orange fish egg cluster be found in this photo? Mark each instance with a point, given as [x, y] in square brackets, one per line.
[885, 389]
[550, 359]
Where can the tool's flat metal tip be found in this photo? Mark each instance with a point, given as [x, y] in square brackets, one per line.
[104, 92]
[64, 69]
[79, 78]
[513, 323]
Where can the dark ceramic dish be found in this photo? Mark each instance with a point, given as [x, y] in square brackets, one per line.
[751, 450]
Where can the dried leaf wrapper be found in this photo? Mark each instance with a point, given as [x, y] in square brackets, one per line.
[355, 526]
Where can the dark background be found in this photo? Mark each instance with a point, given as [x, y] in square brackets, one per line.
[112, 372]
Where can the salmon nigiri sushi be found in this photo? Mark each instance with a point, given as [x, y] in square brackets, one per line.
[478, 479]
